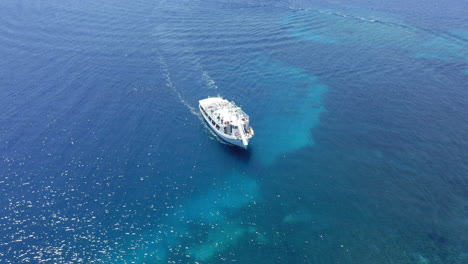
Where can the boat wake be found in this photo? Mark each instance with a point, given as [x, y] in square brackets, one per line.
[192, 109]
[170, 84]
[209, 81]
[460, 40]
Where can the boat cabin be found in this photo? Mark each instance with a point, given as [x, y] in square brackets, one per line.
[226, 117]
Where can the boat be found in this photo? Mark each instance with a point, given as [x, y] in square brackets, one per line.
[227, 120]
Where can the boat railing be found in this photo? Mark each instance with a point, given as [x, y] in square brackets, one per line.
[237, 110]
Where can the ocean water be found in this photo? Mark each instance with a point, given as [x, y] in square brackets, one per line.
[360, 110]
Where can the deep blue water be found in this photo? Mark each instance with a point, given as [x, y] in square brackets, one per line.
[360, 110]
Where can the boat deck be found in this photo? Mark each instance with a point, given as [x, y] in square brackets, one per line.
[222, 110]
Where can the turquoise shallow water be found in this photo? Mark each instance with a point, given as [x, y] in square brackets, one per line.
[359, 108]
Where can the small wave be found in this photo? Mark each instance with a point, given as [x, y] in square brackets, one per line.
[295, 8]
[350, 16]
[366, 19]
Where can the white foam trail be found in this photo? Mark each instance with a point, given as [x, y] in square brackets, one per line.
[348, 16]
[193, 110]
[209, 81]
[451, 37]
[366, 19]
[167, 76]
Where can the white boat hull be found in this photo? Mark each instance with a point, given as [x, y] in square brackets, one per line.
[230, 140]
